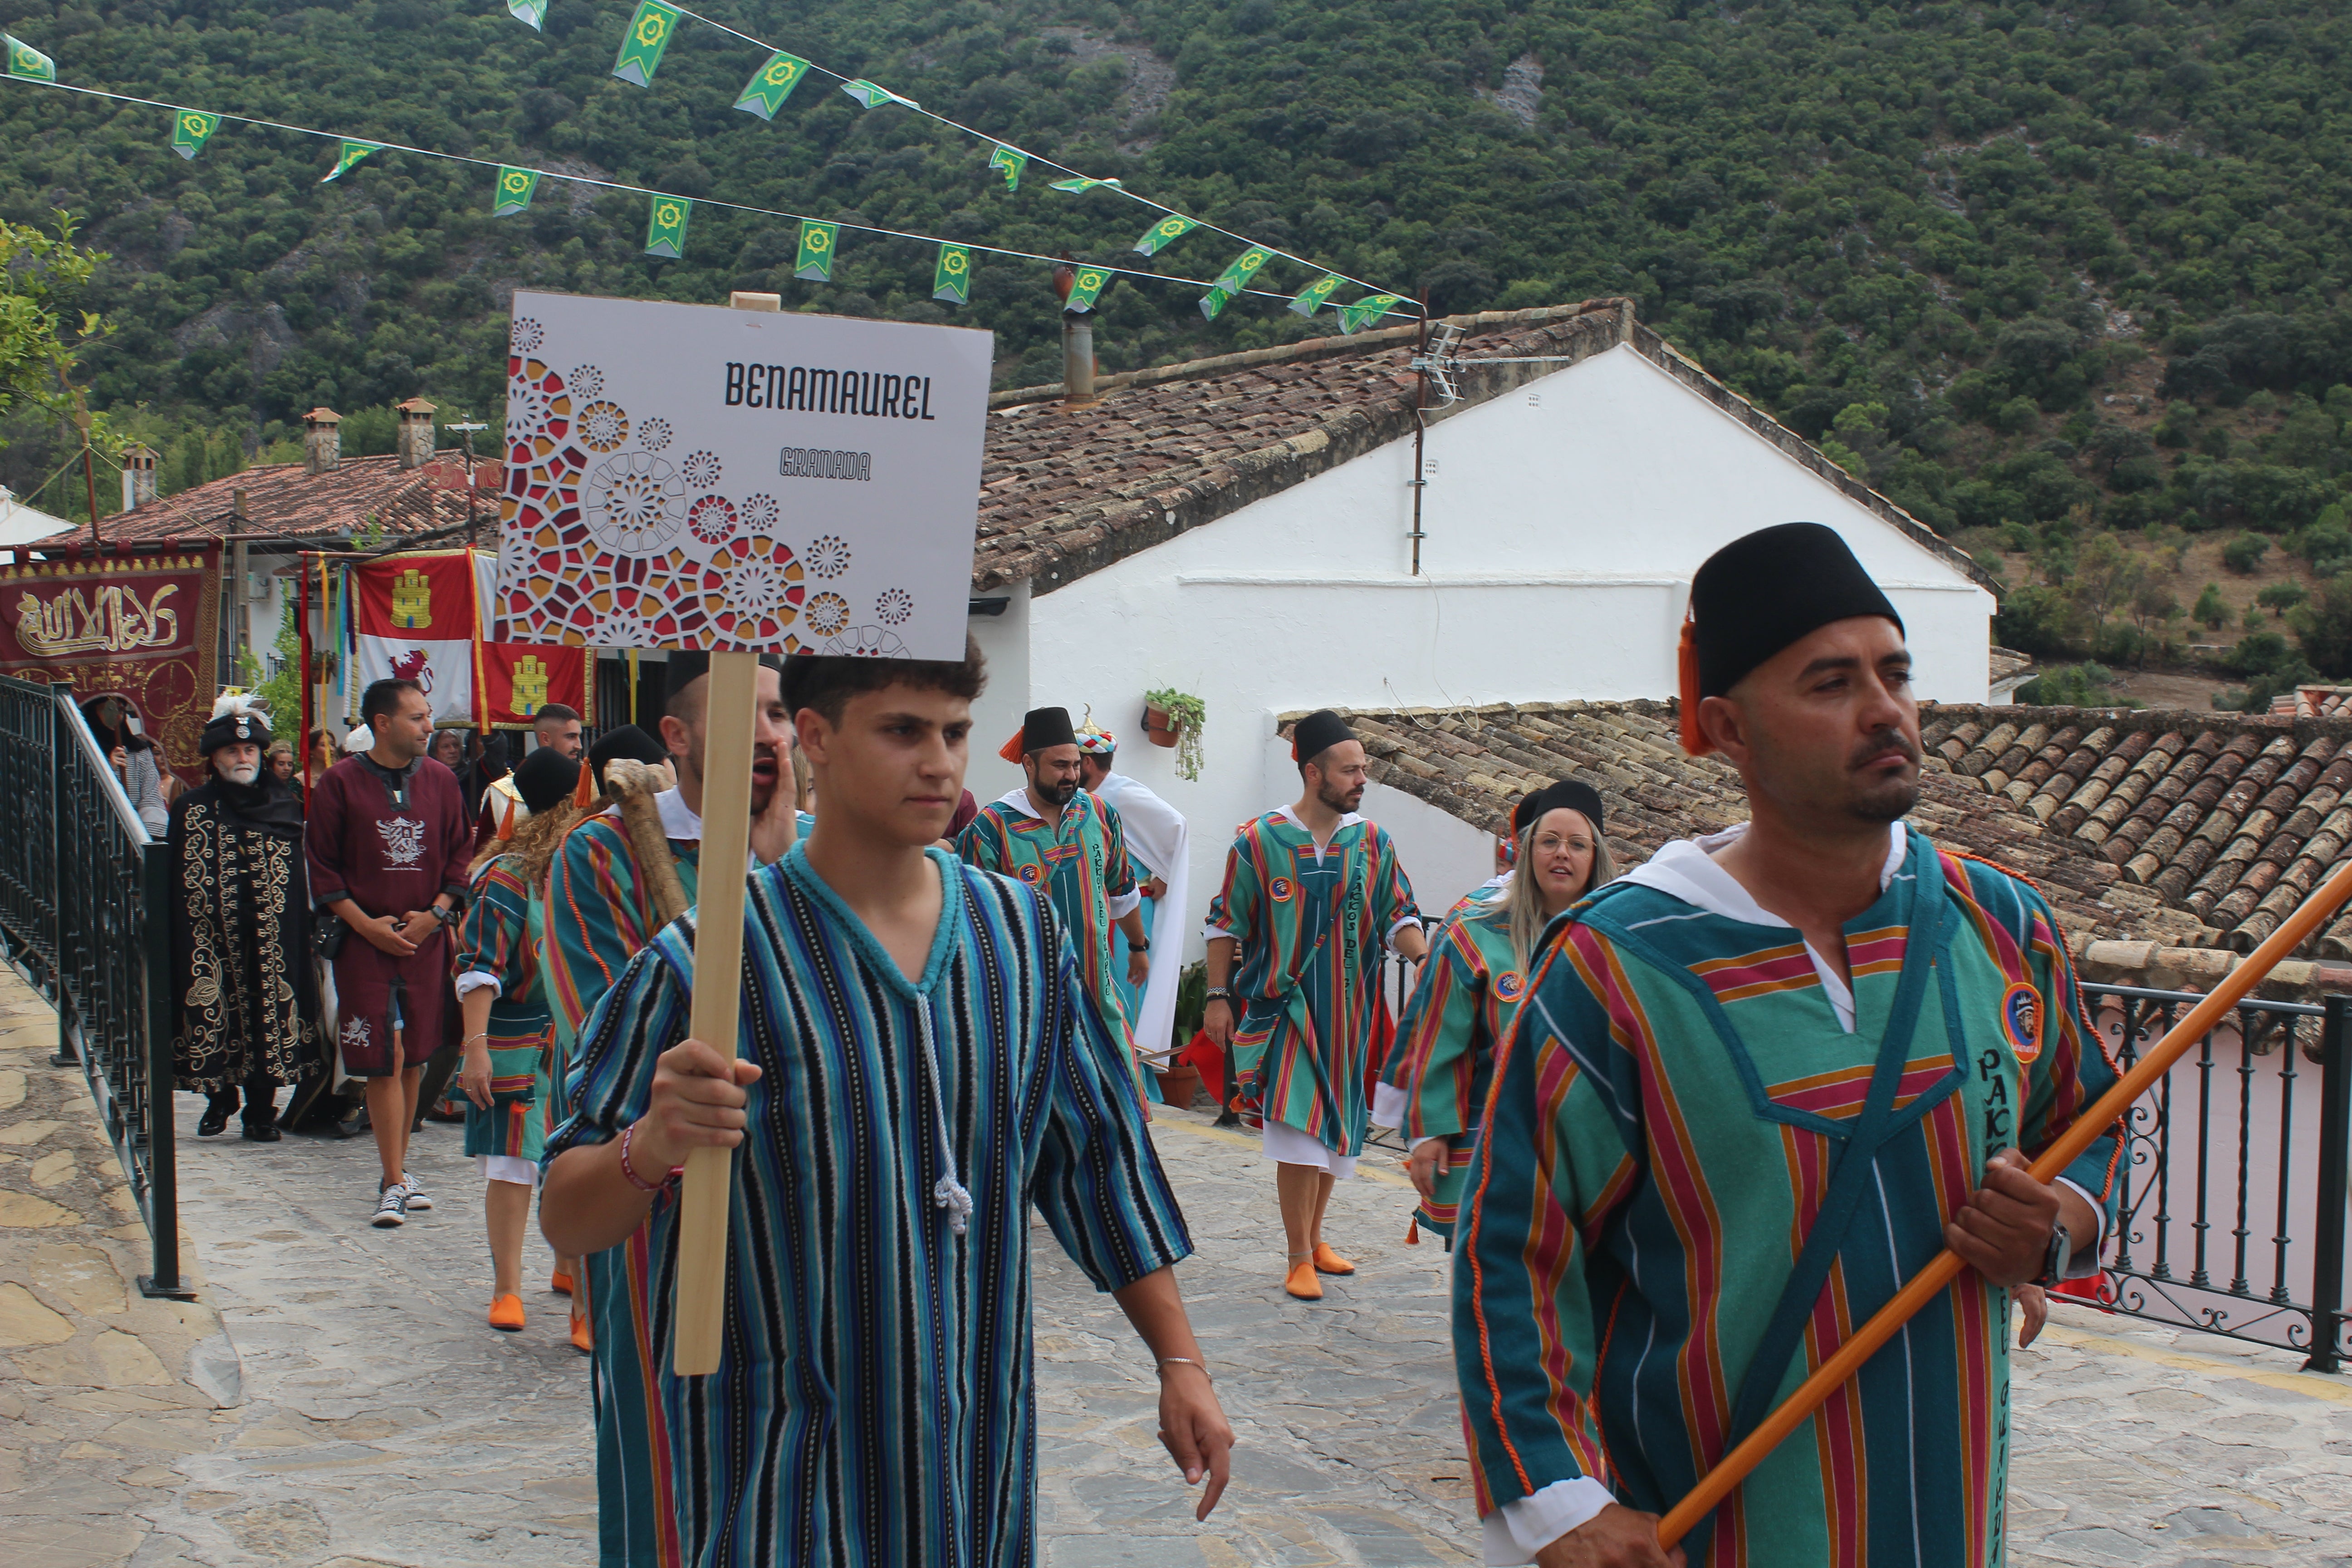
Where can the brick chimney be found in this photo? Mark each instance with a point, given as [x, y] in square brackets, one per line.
[138, 475]
[415, 442]
[323, 441]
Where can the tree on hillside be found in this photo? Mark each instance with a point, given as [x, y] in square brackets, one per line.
[2210, 611]
[41, 276]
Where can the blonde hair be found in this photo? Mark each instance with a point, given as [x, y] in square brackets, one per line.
[1525, 902]
[534, 843]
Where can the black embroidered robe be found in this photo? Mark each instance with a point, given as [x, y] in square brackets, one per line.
[246, 998]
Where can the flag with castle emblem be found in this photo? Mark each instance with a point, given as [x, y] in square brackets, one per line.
[771, 85]
[418, 616]
[26, 61]
[649, 36]
[952, 280]
[666, 227]
[191, 129]
[514, 191]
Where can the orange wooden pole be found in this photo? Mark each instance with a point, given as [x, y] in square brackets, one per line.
[1930, 1281]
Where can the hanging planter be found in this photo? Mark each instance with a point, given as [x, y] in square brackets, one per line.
[1172, 717]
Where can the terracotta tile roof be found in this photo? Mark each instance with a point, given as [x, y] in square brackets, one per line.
[282, 501]
[1066, 492]
[2313, 702]
[2227, 818]
[1473, 764]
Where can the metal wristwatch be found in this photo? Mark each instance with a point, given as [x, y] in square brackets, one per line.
[2060, 1253]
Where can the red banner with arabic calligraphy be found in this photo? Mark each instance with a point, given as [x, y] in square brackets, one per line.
[146, 628]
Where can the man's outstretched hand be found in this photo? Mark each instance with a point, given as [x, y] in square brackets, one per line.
[1616, 1537]
[1193, 1424]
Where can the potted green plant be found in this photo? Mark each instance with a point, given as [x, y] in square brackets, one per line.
[1172, 717]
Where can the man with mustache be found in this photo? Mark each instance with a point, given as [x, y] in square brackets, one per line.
[1756, 1085]
[247, 1011]
[1054, 835]
[1312, 892]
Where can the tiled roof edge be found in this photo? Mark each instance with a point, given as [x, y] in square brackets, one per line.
[1691, 374]
[1305, 349]
[2191, 721]
[1110, 532]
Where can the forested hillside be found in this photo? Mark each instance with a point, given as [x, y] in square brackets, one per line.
[2059, 269]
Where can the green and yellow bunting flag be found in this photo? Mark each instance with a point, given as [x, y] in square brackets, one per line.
[952, 281]
[1166, 232]
[1086, 287]
[1316, 295]
[771, 85]
[191, 129]
[1012, 163]
[1355, 317]
[816, 250]
[24, 60]
[666, 227]
[516, 187]
[1082, 185]
[1213, 303]
[641, 50]
[1235, 278]
[351, 154]
[874, 96]
[532, 14]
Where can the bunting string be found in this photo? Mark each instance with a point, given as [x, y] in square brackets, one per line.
[516, 183]
[873, 96]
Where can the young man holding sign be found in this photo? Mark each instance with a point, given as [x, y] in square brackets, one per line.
[921, 1065]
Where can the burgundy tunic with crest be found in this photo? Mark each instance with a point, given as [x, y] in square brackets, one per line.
[390, 844]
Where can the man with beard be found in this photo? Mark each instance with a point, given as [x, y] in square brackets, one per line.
[389, 847]
[1312, 892]
[248, 1008]
[1053, 836]
[1756, 1085]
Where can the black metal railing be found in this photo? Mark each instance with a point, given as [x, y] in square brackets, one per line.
[2233, 1186]
[85, 912]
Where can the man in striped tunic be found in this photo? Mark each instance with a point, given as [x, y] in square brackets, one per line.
[1756, 1085]
[921, 1065]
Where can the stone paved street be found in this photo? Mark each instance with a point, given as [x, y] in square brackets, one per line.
[368, 1417]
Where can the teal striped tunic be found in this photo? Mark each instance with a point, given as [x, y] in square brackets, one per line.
[874, 1402]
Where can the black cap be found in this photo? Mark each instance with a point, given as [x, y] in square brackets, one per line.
[1570, 794]
[1046, 727]
[694, 665]
[546, 779]
[234, 718]
[1757, 594]
[1317, 733]
[628, 740]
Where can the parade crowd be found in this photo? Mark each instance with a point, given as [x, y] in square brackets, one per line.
[1681, 1128]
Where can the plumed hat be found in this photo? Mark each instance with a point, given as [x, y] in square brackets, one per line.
[546, 776]
[237, 716]
[1757, 594]
[1570, 794]
[1317, 733]
[1041, 728]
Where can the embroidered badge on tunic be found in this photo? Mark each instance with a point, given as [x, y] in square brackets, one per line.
[2021, 1020]
[1279, 889]
[1032, 873]
[1509, 985]
[403, 840]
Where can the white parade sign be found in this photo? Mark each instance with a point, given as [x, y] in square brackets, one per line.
[695, 476]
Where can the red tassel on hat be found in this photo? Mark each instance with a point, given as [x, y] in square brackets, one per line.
[1011, 751]
[585, 792]
[1412, 1232]
[1694, 739]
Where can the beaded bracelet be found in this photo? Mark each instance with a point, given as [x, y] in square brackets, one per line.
[631, 1170]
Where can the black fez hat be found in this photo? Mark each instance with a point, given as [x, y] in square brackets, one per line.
[1317, 733]
[1757, 594]
[694, 665]
[546, 779]
[236, 717]
[1570, 794]
[628, 740]
[1041, 729]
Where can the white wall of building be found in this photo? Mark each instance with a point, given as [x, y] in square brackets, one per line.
[1563, 521]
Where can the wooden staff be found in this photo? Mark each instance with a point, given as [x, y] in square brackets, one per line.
[1930, 1281]
[731, 715]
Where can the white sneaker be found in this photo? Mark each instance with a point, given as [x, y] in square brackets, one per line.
[391, 1205]
[416, 1193]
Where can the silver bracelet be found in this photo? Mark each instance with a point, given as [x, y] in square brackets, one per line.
[1184, 1360]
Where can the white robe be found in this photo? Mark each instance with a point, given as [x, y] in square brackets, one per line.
[1157, 839]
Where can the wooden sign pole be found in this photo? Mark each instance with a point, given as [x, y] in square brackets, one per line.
[1930, 1281]
[731, 714]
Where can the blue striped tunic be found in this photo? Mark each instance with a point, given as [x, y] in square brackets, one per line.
[874, 1400]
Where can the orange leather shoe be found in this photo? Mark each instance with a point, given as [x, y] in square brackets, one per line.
[506, 1312]
[583, 1337]
[1301, 1281]
[561, 1283]
[1330, 1262]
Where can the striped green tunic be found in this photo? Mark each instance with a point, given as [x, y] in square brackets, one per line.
[873, 1403]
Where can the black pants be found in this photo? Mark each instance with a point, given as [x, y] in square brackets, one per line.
[260, 1098]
